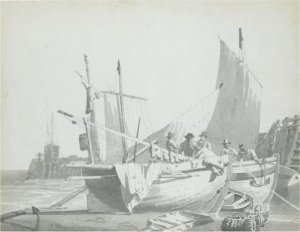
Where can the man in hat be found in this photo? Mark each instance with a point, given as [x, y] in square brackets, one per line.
[188, 146]
[246, 154]
[170, 143]
[202, 142]
[228, 151]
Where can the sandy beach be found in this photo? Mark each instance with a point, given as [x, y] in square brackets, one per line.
[45, 193]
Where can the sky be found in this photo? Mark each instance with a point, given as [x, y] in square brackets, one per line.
[169, 54]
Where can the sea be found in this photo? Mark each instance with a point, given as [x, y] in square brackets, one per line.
[17, 193]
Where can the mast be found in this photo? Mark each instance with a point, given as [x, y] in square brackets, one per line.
[92, 95]
[122, 116]
[87, 69]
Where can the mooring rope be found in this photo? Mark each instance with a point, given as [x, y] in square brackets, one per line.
[276, 194]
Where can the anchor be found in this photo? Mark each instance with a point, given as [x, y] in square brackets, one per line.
[36, 211]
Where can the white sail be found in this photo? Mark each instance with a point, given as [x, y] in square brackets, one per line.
[233, 112]
[237, 112]
[193, 121]
[133, 110]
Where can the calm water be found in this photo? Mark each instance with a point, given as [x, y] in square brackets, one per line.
[17, 193]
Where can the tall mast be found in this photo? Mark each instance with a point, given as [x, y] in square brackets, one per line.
[94, 149]
[87, 69]
[122, 117]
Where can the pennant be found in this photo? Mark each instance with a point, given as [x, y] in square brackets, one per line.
[240, 38]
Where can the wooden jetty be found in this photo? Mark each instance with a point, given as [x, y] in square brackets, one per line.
[282, 138]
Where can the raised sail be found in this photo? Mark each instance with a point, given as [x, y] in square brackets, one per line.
[134, 109]
[194, 120]
[237, 112]
[232, 111]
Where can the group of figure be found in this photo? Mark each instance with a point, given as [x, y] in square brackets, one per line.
[193, 148]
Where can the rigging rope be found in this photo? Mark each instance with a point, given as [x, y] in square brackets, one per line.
[276, 194]
[149, 117]
[142, 114]
[198, 103]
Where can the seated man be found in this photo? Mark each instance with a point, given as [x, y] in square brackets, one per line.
[202, 142]
[229, 151]
[188, 146]
[246, 154]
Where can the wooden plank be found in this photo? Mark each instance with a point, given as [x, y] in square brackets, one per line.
[158, 222]
[155, 228]
[124, 95]
[168, 220]
[244, 198]
[183, 218]
[293, 147]
[228, 196]
[174, 219]
[69, 197]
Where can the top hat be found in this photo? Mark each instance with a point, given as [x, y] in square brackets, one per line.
[203, 134]
[242, 146]
[170, 135]
[226, 141]
[189, 135]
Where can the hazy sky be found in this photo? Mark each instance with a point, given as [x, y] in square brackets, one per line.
[169, 52]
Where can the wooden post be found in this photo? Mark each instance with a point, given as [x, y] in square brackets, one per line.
[137, 135]
[44, 170]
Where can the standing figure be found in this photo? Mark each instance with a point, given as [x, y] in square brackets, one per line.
[188, 146]
[246, 154]
[170, 143]
[229, 151]
[171, 146]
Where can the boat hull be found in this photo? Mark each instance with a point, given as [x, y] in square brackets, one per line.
[288, 184]
[260, 191]
[193, 191]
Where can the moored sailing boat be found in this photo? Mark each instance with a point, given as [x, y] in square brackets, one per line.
[236, 116]
[232, 112]
[158, 185]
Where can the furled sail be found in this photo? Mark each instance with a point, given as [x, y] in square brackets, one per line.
[237, 111]
[133, 110]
